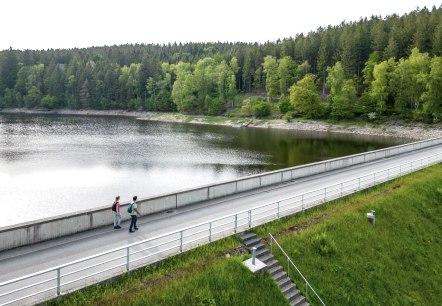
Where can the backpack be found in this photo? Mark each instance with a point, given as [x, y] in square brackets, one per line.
[114, 206]
[130, 208]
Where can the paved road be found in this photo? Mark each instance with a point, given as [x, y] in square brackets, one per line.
[30, 259]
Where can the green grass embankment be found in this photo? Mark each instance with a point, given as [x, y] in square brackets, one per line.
[397, 261]
[209, 275]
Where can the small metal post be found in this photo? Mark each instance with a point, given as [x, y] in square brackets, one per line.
[253, 255]
[306, 290]
[302, 201]
[288, 266]
[250, 218]
[341, 189]
[278, 210]
[127, 260]
[58, 281]
[210, 231]
[181, 241]
[236, 223]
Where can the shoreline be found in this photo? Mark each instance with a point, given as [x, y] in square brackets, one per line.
[416, 131]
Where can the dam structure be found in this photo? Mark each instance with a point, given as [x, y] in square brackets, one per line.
[57, 255]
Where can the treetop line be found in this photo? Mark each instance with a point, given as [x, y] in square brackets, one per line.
[370, 68]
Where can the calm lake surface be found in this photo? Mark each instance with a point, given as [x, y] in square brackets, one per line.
[52, 164]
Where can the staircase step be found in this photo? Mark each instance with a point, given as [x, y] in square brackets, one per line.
[279, 276]
[275, 269]
[268, 259]
[287, 288]
[259, 247]
[247, 236]
[262, 252]
[252, 241]
[292, 294]
[297, 301]
[284, 282]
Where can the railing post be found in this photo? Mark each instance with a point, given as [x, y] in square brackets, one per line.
[250, 218]
[302, 201]
[306, 290]
[236, 223]
[127, 260]
[288, 266]
[278, 210]
[181, 241]
[210, 231]
[341, 189]
[58, 281]
[374, 178]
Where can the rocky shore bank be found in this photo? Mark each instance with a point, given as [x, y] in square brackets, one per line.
[417, 131]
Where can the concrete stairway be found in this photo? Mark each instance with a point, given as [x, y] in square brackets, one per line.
[288, 288]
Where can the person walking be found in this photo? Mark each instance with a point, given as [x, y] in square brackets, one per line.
[133, 215]
[116, 207]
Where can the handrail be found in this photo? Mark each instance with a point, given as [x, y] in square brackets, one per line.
[299, 272]
[311, 198]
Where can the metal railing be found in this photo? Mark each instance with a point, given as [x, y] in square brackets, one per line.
[290, 262]
[77, 274]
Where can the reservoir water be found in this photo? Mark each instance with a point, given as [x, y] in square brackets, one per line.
[52, 164]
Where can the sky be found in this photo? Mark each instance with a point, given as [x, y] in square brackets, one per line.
[65, 24]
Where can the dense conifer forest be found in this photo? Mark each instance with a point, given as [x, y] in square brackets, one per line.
[373, 68]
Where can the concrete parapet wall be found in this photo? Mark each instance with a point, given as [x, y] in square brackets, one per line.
[222, 190]
[50, 228]
[248, 184]
[192, 196]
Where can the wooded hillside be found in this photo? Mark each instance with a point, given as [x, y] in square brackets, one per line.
[369, 68]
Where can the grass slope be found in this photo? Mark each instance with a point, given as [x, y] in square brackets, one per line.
[203, 276]
[398, 261]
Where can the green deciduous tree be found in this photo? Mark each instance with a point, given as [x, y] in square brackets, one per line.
[129, 82]
[304, 97]
[287, 73]
[335, 79]
[409, 80]
[183, 92]
[343, 105]
[342, 92]
[33, 97]
[49, 102]
[270, 68]
[380, 90]
[432, 97]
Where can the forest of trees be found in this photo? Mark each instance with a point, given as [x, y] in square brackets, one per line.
[372, 68]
